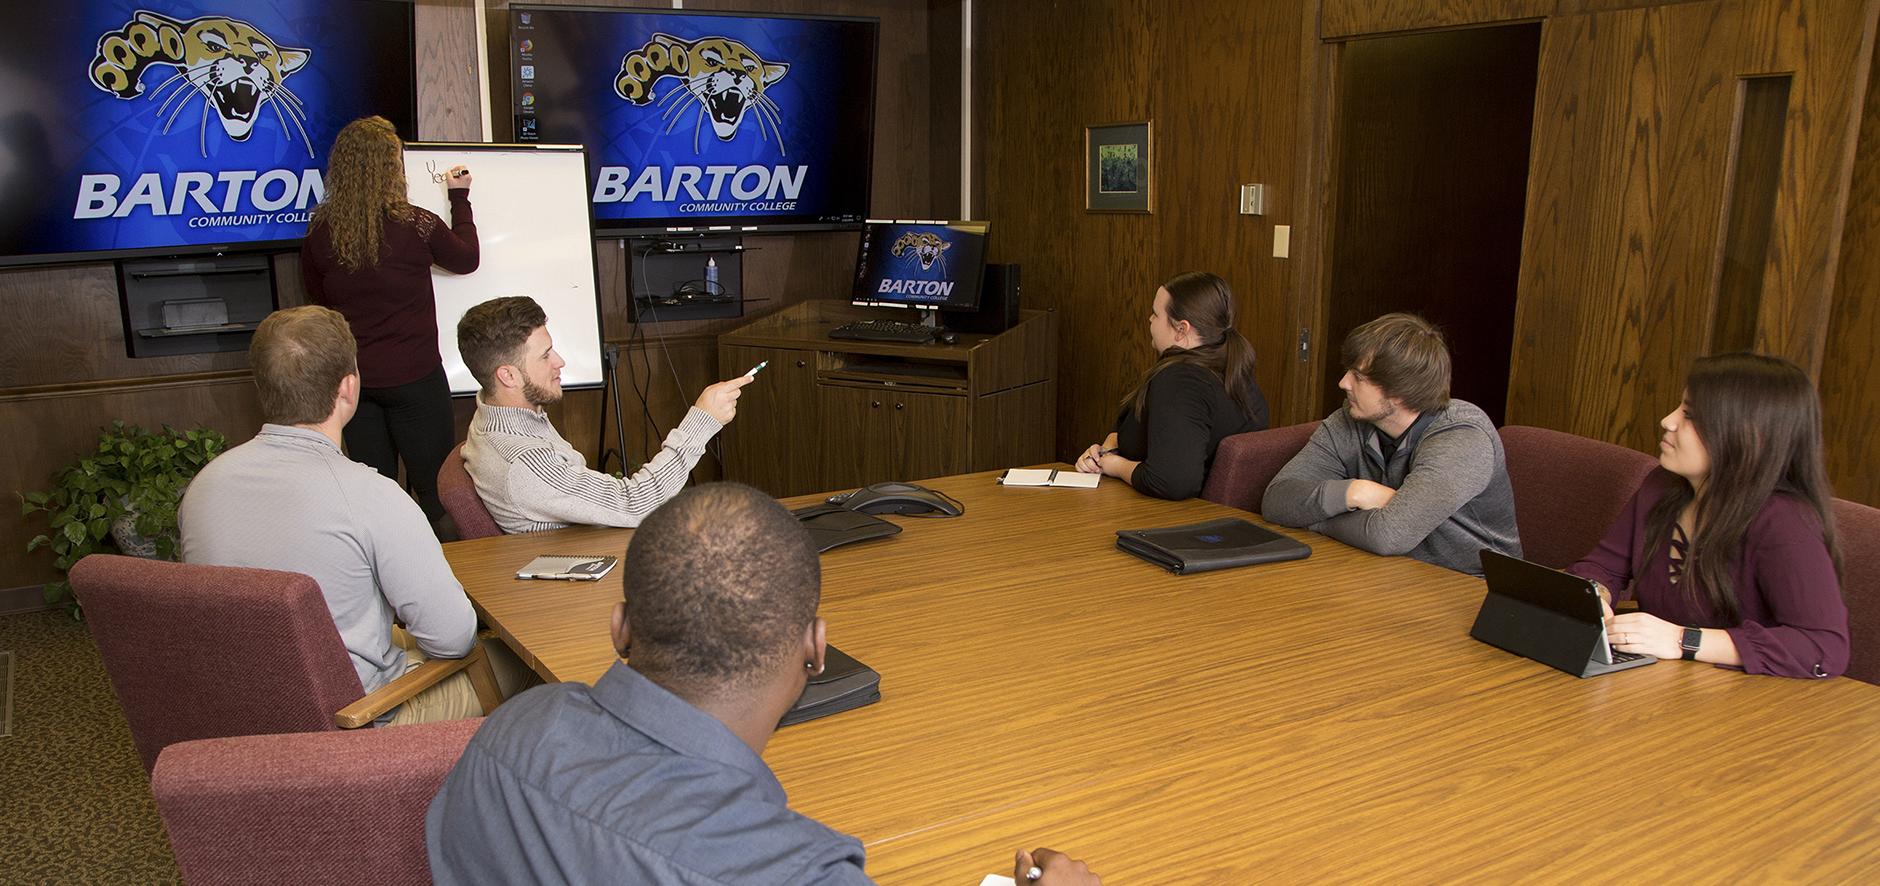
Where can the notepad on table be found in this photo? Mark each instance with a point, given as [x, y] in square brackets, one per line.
[568, 568]
[1049, 477]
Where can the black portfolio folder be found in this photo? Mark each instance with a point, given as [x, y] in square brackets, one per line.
[1215, 544]
[844, 684]
[832, 526]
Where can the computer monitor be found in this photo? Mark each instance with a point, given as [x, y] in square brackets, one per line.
[935, 265]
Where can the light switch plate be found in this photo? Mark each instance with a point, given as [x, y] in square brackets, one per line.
[1282, 241]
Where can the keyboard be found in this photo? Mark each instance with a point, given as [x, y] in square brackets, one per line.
[883, 330]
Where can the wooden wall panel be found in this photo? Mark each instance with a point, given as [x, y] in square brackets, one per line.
[1219, 82]
[1347, 18]
[1850, 371]
[450, 94]
[1635, 116]
[45, 432]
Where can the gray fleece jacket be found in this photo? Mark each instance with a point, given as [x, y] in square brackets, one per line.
[1453, 497]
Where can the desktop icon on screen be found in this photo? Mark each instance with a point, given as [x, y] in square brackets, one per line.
[528, 72]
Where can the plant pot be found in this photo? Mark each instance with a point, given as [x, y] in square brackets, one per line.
[129, 543]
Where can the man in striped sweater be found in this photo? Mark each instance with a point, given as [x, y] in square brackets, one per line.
[530, 478]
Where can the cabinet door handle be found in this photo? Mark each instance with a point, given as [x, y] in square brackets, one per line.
[800, 364]
[897, 406]
[875, 405]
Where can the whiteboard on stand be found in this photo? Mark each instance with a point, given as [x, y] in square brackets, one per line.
[536, 238]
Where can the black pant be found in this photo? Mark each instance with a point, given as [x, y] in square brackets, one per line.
[412, 421]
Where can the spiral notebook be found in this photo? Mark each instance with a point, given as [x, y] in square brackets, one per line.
[568, 568]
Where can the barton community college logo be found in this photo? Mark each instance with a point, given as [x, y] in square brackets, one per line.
[233, 67]
[720, 77]
[923, 247]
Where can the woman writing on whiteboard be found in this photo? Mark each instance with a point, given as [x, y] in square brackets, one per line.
[1199, 390]
[368, 254]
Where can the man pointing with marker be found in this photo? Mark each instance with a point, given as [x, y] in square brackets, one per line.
[531, 479]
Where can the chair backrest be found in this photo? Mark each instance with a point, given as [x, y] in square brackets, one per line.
[459, 494]
[208, 651]
[311, 807]
[1245, 463]
[1567, 490]
[1857, 528]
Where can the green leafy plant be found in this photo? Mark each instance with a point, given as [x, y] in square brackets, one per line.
[133, 481]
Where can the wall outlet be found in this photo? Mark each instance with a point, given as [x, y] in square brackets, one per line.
[1253, 199]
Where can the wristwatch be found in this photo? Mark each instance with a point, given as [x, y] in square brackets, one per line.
[1693, 638]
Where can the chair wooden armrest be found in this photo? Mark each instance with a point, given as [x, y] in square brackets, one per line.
[424, 676]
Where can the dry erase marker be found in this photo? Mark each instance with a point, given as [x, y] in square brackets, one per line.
[756, 369]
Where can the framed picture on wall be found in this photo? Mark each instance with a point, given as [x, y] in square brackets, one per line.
[1117, 172]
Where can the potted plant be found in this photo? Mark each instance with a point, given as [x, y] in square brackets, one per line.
[122, 496]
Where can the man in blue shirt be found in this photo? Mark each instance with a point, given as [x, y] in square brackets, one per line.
[653, 775]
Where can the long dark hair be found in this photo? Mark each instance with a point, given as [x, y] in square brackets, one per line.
[1206, 302]
[1760, 420]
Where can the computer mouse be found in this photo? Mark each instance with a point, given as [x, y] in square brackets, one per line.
[947, 338]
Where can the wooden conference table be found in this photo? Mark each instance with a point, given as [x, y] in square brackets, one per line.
[1324, 719]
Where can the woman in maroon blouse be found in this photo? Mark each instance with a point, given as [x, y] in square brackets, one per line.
[1730, 547]
[368, 255]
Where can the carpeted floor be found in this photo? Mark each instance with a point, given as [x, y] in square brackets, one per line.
[75, 804]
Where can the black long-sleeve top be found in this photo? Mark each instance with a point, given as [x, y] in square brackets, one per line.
[1185, 416]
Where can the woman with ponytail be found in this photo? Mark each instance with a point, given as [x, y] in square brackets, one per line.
[1729, 548]
[368, 255]
[1199, 390]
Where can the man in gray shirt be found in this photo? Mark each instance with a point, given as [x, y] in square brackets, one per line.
[530, 478]
[290, 500]
[1402, 468]
[653, 774]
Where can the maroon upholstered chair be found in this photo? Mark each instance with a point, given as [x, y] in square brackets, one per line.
[310, 807]
[1568, 490]
[208, 651]
[459, 494]
[1245, 463]
[1857, 528]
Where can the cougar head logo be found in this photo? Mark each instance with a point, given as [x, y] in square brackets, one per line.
[920, 246]
[233, 67]
[722, 77]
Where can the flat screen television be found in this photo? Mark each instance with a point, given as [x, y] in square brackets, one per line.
[174, 127]
[934, 265]
[702, 120]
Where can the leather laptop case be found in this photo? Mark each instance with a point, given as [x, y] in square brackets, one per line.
[844, 684]
[832, 526]
[1215, 544]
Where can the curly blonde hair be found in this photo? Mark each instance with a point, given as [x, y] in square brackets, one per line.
[365, 184]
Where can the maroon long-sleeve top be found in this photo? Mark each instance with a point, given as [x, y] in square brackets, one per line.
[1794, 622]
[391, 307]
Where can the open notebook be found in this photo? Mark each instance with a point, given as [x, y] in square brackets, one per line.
[1048, 477]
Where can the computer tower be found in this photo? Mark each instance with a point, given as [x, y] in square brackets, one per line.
[998, 304]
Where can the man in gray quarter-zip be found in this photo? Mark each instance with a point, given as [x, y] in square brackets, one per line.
[1401, 468]
[290, 500]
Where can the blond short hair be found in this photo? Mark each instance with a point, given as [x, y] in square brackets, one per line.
[300, 356]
